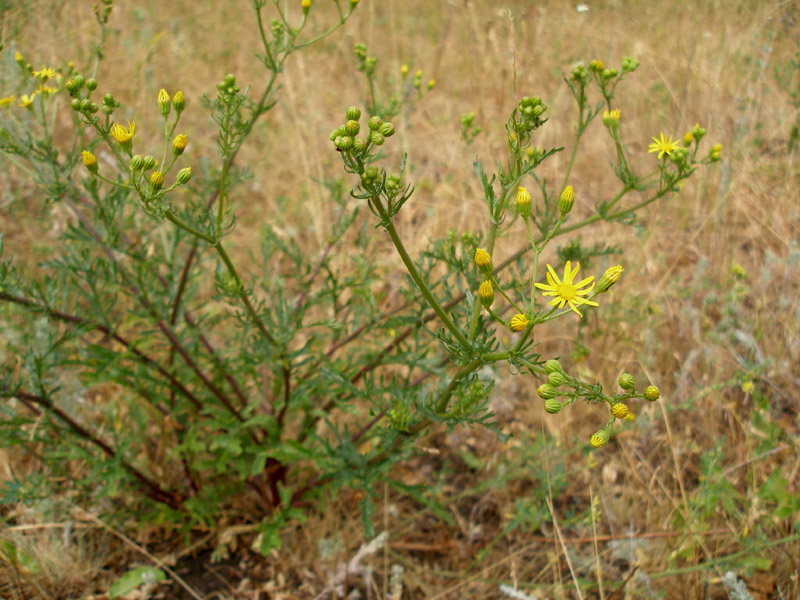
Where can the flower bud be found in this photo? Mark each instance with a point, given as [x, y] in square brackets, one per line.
[483, 259]
[552, 406]
[698, 131]
[345, 143]
[306, 6]
[403, 71]
[89, 161]
[553, 366]
[619, 410]
[627, 382]
[164, 104]
[523, 202]
[599, 439]
[156, 181]
[360, 144]
[352, 128]
[179, 144]
[149, 162]
[93, 108]
[597, 65]
[179, 102]
[609, 278]
[137, 163]
[566, 200]
[431, 84]
[386, 129]
[546, 391]
[651, 393]
[629, 64]
[91, 84]
[184, 175]
[374, 123]
[687, 138]
[556, 379]
[611, 118]
[518, 322]
[71, 87]
[486, 293]
[75, 104]
[353, 114]
[376, 137]
[79, 81]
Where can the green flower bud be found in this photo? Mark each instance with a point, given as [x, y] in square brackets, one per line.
[86, 105]
[179, 102]
[179, 144]
[386, 129]
[360, 144]
[71, 87]
[556, 379]
[566, 200]
[552, 406]
[651, 393]
[93, 107]
[523, 202]
[486, 293]
[184, 175]
[353, 114]
[629, 64]
[229, 80]
[352, 128]
[345, 142]
[377, 138]
[375, 123]
[599, 439]
[149, 162]
[164, 103]
[546, 391]
[609, 278]
[91, 84]
[553, 366]
[78, 81]
[75, 104]
[698, 132]
[137, 163]
[627, 382]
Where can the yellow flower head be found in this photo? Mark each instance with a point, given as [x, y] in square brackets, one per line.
[482, 258]
[89, 161]
[567, 292]
[518, 322]
[620, 410]
[7, 101]
[663, 145]
[164, 103]
[25, 101]
[404, 70]
[179, 144]
[599, 439]
[45, 73]
[611, 118]
[523, 202]
[306, 3]
[122, 134]
[486, 293]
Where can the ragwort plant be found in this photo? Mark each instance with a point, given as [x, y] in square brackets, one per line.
[206, 411]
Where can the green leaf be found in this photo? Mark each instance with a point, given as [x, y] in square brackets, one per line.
[15, 556]
[133, 579]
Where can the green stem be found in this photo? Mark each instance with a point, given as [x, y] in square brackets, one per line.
[423, 287]
[243, 293]
[441, 406]
[196, 232]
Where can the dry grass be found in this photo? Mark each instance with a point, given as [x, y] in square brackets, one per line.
[675, 319]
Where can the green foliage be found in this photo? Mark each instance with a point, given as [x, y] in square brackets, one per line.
[213, 386]
[145, 577]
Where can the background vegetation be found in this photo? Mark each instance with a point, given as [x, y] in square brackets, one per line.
[703, 482]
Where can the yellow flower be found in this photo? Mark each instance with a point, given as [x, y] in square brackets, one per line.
[518, 322]
[306, 3]
[482, 258]
[47, 89]
[663, 146]
[599, 439]
[620, 410]
[163, 101]
[404, 70]
[523, 202]
[567, 292]
[486, 293]
[179, 144]
[89, 161]
[609, 278]
[7, 101]
[45, 73]
[611, 118]
[25, 101]
[122, 134]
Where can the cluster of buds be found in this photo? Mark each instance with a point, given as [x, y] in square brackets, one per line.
[418, 81]
[551, 391]
[364, 62]
[85, 105]
[345, 140]
[227, 88]
[527, 117]
[102, 14]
